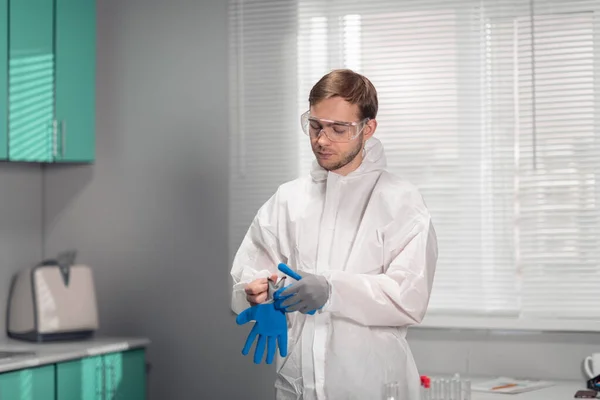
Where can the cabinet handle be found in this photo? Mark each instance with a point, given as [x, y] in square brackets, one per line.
[54, 138]
[103, 384]
[63, 137]
[114, 384]
[112, 393]
[99, 385]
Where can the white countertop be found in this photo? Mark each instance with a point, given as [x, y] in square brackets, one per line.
[54, 352]
[562, 390]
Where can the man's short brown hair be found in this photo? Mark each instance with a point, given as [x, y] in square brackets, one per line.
[350, 86]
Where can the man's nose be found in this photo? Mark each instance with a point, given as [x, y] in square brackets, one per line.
[322, 139]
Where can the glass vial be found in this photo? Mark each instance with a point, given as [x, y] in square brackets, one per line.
[391, 391]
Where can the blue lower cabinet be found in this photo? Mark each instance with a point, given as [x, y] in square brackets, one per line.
[126, 375]
[114, 376]
[28, 384]
[81, 379]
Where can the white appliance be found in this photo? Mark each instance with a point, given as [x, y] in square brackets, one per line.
[55, 300]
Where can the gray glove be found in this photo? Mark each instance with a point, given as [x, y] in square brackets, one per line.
[310, 293]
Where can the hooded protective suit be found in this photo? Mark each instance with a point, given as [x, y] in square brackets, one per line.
[370, 234]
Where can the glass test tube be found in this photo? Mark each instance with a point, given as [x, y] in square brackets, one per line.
[466, 389]
[455, 392]
[425, 392]
[435, 386]
[391, 391]
[455, 388]
[446, 389]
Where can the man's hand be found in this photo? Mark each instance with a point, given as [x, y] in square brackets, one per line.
[256, 291]
[309, 294]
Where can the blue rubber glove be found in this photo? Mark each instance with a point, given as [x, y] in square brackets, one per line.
[271, 325]
[279, 299]
[307, 295]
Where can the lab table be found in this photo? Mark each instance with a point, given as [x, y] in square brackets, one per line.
[562, 390]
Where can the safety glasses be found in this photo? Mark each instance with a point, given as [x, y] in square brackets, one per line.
[335, 131]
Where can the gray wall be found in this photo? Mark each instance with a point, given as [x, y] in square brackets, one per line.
[151, 215]
[20, 223]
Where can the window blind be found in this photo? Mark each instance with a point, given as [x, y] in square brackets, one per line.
[263, 86]
[488, 106]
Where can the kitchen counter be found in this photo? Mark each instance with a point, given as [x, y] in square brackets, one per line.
[55, 352]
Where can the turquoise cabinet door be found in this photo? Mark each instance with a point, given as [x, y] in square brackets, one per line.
[81, 379]
[31, 133]
[3, 79]
[75, 79]
[126, 375]
[115, 376]
[28, 384]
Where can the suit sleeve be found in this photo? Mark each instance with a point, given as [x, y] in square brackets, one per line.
[400, 295]
[258, 255]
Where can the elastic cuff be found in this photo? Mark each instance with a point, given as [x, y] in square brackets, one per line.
[325, 307]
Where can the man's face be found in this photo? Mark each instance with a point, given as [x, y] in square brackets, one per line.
[340, 157]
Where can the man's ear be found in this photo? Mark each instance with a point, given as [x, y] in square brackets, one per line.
[370, 128]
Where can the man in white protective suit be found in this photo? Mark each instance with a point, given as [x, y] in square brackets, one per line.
[363, 241]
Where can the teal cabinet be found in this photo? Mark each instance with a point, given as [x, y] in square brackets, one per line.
[126, 375]
[28, 384]
[31, 123]
[3, 80]
[49, 90]
[115, 376]
[81, 379]
[75, 79]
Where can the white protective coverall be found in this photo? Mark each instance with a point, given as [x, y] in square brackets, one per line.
[370, 234]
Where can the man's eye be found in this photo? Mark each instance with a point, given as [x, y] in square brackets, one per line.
[339, 129]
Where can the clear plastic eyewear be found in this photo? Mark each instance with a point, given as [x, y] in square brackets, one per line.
[335, 131]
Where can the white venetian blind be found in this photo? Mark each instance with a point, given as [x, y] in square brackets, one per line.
[489, 107]
[557, 191]
[263, 85]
